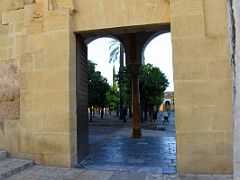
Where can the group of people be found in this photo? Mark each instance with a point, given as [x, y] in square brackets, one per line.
[164, 116]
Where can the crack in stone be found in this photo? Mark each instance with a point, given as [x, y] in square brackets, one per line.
[233, 43]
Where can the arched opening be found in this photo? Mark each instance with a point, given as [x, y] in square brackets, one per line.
[106, 55]
[115, 149]
[157, 55]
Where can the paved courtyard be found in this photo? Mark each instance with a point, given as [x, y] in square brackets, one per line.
[155, 152]
[112, 148]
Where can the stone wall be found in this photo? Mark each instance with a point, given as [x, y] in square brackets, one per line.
[35, 56]
[38, 59]
[203, 86]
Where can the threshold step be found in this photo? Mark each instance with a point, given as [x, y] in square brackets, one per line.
[10, 166]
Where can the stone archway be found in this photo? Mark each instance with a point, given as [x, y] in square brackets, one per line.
[193, 34]
[200, 49]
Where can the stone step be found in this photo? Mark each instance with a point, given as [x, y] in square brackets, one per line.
[10, 166]
[3, 154]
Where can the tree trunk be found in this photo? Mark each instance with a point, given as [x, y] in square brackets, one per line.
[121, 59]
[102, 112]
[91, 114]
[150, 111]
[93, 109]
[142, 114]
[145, 112]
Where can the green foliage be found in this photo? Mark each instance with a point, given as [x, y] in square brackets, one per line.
[113, 97]
[114, 51]
[97, 87]
[152, 84]
[125, 77]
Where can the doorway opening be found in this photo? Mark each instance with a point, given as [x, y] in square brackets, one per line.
[110, 142]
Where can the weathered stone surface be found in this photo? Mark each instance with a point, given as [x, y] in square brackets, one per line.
[28, 1]
[203, 86]
[9, 91]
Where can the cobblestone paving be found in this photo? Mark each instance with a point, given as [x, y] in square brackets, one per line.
[148, 154]
[53, 173]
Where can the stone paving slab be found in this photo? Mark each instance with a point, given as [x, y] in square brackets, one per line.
[54, 173]
[10, 166]
[152, 153]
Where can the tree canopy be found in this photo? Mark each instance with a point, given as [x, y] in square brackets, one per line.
[152, 84]
[97, 87]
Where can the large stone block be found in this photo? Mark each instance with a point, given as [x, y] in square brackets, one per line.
[195, 26]
[56, 79]
[219, 69]
[198, 118]
[212, 92]
[56, 20]
[4, 54]
[29, 142]
[54, 143]
[215, 13]
[208, 144]
[208, 48]
[13, 16]
[56, 40]
[223, 165]
[32, 80]
[27, 62]
[6, 41]
[191, 70]
[50, 59]
[31, 101]
[55, 101]
[3, 29]
[182, 95]
[186, 8]
[222, 118]
[62, 160]
[152, 12]
[56, 122]
[4, 5]
[193, 164]
[35, 43]
[33, 121]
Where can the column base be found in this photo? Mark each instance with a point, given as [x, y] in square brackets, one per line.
[136, 133]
